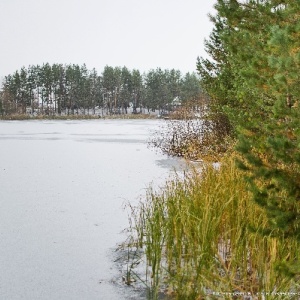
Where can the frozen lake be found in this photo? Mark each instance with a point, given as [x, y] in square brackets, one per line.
[63, 188]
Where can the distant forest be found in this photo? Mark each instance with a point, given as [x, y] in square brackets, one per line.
[72, 89]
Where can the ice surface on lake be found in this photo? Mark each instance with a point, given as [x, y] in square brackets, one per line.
[63, 186]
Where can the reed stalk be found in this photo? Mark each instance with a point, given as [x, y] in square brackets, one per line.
[202, 239]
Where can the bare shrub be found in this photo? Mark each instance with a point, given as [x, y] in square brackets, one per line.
[194, 134]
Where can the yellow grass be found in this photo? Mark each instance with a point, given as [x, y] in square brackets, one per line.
[202, 238]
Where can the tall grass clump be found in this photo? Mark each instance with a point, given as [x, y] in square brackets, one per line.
[202, 239]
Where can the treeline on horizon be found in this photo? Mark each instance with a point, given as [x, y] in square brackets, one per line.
[56, 89]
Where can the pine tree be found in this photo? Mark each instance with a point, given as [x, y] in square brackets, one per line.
[216, 73]
[260, 43]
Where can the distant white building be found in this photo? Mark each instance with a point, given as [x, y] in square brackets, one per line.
[176, 102]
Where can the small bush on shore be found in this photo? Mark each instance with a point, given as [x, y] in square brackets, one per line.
[194, 132]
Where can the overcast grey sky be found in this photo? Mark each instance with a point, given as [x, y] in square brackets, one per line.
[140, 34]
